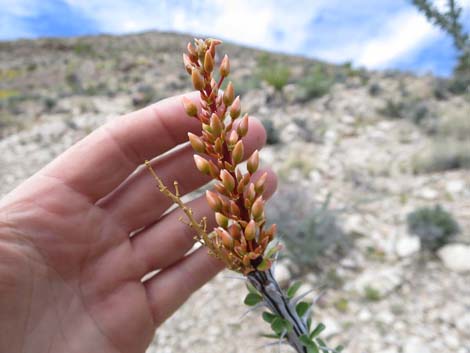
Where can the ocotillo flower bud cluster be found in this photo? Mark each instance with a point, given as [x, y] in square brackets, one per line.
[240, 238]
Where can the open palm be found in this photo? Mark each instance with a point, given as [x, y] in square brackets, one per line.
[70, 267]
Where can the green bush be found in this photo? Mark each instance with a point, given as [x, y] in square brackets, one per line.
[316, 84]
[310, 231]
[454, 126]
[272, 134]
[244, 85]
[82, 48]
[434, 226]
[414, 110]
[442, 155]
[375, 89]
[273, 72]
[49, 103]
[393, 109]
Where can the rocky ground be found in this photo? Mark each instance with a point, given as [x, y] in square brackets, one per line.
[360, 142]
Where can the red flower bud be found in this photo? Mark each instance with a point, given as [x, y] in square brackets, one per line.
[234, 209]
[237, 153]
[201, 164]
[213, 170]
[227, 180]
[235, 108]
[188, 65]
[213, 200]
[197, 143]
[189, 106]
[229, 94]
[250, 230]
[225, 66]
[208, 62]
[253, 162]
[257, 209]
[227, 240]
[198, 80]
[216, 125]
[234, 231]
[243, 127]
[260, 183]
[221, 220]
[232, 139]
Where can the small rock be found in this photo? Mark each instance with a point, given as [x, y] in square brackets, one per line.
[348, 119]
[364, 315]
[332, 327]
[407, 246]
[415, 345]
[383, 280]
[463, 323]
[455, 186]
[428, 193]
[456, 257]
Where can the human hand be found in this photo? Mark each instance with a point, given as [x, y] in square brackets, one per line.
[70, 273]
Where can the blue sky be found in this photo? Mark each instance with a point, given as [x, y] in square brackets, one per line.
[385, 34]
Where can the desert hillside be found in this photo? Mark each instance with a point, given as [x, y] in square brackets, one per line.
[357, 153]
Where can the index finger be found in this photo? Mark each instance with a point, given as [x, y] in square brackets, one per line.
[97, 164]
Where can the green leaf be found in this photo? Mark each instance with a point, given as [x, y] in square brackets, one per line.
[339, 348]
[288, 326]
[277, 325]
[306, 341]
[269, 317]
[252, 299]
[264, 265]
[313, 349]
[293, 289]
[251, 288]
[309, 323]
[323, 345]
[272, 248]
[320, 327]
[301, 308]
[269, 335]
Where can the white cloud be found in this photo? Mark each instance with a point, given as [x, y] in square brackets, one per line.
[402, 35]
[252, 22]
[279, 25]
[256, 23]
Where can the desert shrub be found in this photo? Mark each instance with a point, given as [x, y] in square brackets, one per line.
[372, 294]
[316, 84]
[414, 110]
[454, 126]
[49, 103]
[6, 94]
[350, 71]
[82, 48]
[310, 231]
[375, 89]
[73, 81]
[244, 84]
[434, 226]
[442, 155]
[272, 134]
[441, 89]
[273, 72]
[392, 109]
